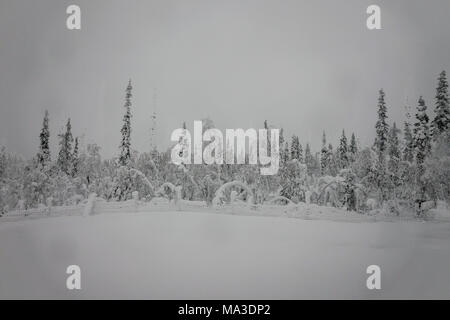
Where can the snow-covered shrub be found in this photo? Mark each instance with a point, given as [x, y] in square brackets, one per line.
[128, 180]
[349, 198]
[294, 181]
[187, 182]
[167, 190]
[63, 189]
[437, 170]
[223, 194]
[37, 185]
[209, 187]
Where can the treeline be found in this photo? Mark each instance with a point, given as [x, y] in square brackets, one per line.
[410, 164]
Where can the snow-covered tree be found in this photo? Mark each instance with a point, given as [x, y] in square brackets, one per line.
[76, 158]
[363, 164]
[393, 149]
[285, 153]
[324, 159]
[36, 185]
[128, 180]
[295, 148]
[349, 198]
[90, 166]
[300, 153]
[44, 145]
[422, 145]
[342, 151]
[125, 145]
[65, 160]
[332, 161]
[294, 177]
[353, 148]
[421, 133]
[441, 121]
[393, 164]
[437, 169]
[380, 177]
[408, 148]
[309, 160]
[382, 128]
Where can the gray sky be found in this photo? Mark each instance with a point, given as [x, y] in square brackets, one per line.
[307, 66]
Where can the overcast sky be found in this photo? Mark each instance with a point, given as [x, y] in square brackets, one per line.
[306, 66]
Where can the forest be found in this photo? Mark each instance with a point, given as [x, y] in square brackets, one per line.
[407, 168]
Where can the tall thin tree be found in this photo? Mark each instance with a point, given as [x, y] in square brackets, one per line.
[408, 148]
[44, 143]
[422, 147]
[75, 158]
[125, 144]
[324, 159]
[441, 121]
[65, 161]
[421, 135]
[353, 145]
[382, 128]
[342, 151]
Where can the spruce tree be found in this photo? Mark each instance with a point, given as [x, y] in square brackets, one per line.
[421, 135]
[342, 151]
[408, 149]
[422, 147]
[295, 148]
[353, 146]
[382, 128]
[283, 154]
[44, 146]
[441, 121]
[125, 145]
[300, 153]
[393, 150]
[286, 157]
[309, 161]
[65, 161]
[331, 165]
[324, 155]
[75, 158]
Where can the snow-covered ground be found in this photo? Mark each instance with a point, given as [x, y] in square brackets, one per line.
[201, 255]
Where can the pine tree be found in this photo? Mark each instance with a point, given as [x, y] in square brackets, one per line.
[422, 147]
[44, 147]
[125, 145]
[75, 158]
[393, 150]
[324, 155]
[408, 149]
[300, 153]
[286, 157]
[331, 165]
[441, 122]
[65, 161]
[309, 161]
[353, 147]
[421, 134]
[295, 148]
[342, 151]
[382, 128]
